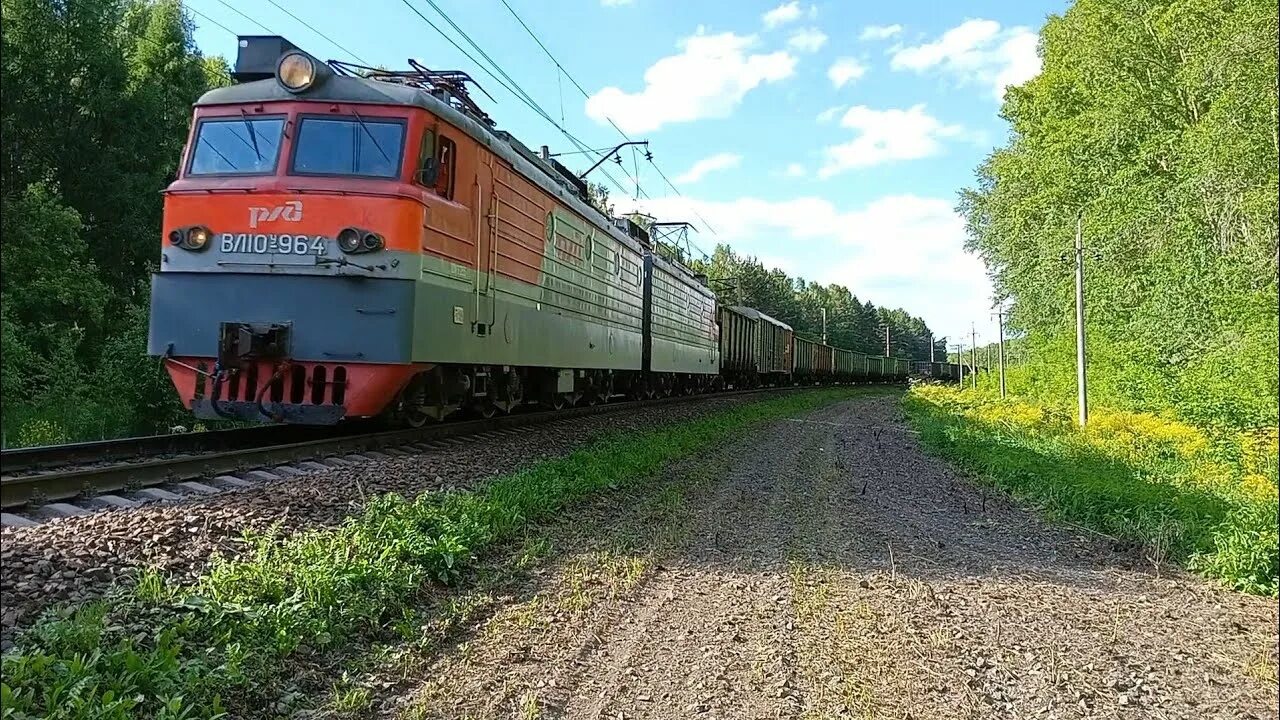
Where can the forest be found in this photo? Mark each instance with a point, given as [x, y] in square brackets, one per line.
[1152, 125]
[96, 106]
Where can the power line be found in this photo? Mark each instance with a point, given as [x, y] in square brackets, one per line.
[215, 22]
[312, 29]
[585, 94]
[233, 9]
[528, 98]
[518, 92]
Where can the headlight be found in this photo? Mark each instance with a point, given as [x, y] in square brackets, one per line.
[296, 72]
[349, 240]
[354, 240]
[198, 238]
[194, 238]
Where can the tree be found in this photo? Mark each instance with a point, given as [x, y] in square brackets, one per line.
[1155, 122]
[97, 101]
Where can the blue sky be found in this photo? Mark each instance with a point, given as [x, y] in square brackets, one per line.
[827, 138]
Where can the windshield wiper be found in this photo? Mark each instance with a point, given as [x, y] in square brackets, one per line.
[370, 134]
[252, 135]
[225, 159]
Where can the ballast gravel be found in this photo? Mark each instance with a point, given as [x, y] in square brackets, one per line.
[77, 558]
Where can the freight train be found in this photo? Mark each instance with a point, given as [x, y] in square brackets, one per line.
[351, 242]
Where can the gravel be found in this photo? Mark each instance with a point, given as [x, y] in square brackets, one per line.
[831, 568]
[78, 558]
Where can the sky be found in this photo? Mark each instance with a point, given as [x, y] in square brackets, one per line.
[828, 139]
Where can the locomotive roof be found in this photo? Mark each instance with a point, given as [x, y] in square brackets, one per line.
[757, 315]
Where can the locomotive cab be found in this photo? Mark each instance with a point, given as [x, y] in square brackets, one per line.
[291, 244]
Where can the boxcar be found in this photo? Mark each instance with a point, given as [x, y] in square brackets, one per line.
[739, 343]
[811, 360]
[775, 348]
[845, 366]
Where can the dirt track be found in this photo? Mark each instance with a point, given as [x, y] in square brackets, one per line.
[828, 568]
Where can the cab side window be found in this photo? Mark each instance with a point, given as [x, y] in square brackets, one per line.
[437, 159]
[446, 161]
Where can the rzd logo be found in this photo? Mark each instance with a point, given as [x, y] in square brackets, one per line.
[291, 211]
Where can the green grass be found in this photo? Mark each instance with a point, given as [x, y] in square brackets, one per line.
[1174, 491]
[236, 636]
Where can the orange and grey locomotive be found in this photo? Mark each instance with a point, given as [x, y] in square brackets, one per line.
[346, 242]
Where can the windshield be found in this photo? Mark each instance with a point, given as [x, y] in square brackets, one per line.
[236, 146]
[348, 146]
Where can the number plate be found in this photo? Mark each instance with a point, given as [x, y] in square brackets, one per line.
[271, 244]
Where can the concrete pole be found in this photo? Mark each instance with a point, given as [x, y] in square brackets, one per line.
[886, 340]
[973, 352]
[930, 348]
[1000, 320]
[960, 362]
[1082, 385]
[824, 326]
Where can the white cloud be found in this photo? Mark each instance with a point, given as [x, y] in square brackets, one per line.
[845, 70]
[879, 32]
[884, 136]
[719, 161]
[708, 78]
[830, 114]
[807, 40]
[976, 52]
[794, 170]
[615, 3]
[784, 13]
[897, 251]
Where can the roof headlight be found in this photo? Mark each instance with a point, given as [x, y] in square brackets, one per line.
[296, 71]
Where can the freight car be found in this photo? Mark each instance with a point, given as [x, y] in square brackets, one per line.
[755, 349]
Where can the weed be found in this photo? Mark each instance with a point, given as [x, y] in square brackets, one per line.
[1177, 491]
[232, 633]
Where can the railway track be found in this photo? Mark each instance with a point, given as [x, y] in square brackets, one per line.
[204, 461]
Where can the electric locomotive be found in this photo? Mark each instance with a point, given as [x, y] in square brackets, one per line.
[346, 242]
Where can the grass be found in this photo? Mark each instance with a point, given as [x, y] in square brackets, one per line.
[232, 642]
[1180, 493]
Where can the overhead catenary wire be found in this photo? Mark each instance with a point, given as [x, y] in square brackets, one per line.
[586, 94]
[308, 25]
[528, 98]
[507, 84]
[215, 22]
[236, 10]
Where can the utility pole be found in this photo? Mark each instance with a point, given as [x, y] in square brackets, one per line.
[1000, 320]
[960, 362]
[974, 352]
[1081, 380]
[824, 326]
[930, 348]
[886, 339]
